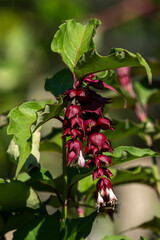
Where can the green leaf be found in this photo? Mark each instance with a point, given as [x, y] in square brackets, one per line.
[123, 154]
[60, 82]
[50, 146]
[110, 78]
[52, 141]
[152, 225]
[21, 118]
[85, 184]
[41, 180]
[16, 221]
[75, 175]
[34, 157]
[142, 238]
[115, 237]
[92, 62]
[124, 128]
[50, 111]
[139, 174]
[39, 228]
[78, 228]
[53, 201]
[154, 65]
[16, 195]
[73, 39]
[144, 92]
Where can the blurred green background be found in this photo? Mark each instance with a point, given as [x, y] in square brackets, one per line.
[26, 32]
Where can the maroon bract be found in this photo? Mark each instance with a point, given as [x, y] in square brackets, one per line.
[100, 172]
[73, 111]
[99, 141]
[74, 153]
[104, 123]
[103, 159]
[90, 125]
[83, 120]
[98, 84]
[77, 122]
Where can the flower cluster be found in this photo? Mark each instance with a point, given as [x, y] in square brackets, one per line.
[83, 121]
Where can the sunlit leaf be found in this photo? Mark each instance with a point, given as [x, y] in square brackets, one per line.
[34, 156]
[123, 154]
[48, 112]
[144, 92]
[154, 65]
[73, 39]
[20, 120]
[139, 174]
[92, 62]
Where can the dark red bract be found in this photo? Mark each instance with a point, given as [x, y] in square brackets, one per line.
[73, 111]
[83, 120]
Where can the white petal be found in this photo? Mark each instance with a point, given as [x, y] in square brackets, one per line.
[112, 197]
[100, 198]
[81, 160]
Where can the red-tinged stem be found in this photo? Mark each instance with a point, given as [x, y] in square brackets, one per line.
[75, 80]
[65, 185]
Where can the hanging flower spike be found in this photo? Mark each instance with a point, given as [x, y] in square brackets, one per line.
[85, 118]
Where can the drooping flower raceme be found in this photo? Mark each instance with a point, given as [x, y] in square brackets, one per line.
[82, 123]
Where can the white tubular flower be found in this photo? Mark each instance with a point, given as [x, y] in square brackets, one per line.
[100, 201]
[81, 160]
[112, 197]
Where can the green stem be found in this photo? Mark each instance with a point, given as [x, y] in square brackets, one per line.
[156, 174]
[65, 187]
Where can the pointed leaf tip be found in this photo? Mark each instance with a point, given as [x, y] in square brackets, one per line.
[92, 62]
[73, 39]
